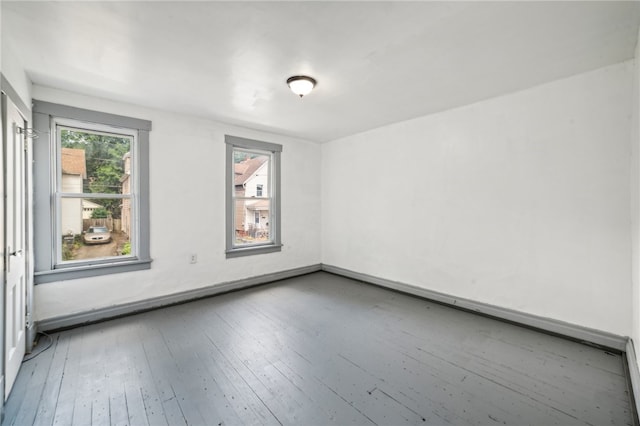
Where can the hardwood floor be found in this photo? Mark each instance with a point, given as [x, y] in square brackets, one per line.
[317, 350]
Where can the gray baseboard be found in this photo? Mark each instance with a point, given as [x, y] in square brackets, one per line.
[74, 320]
[576, 332]
[573, 331]
[634, 374]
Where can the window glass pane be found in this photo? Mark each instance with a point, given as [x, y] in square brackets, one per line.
[252, 222]
[95, 228]
[252, 193]
[92, 162]
[251, 173]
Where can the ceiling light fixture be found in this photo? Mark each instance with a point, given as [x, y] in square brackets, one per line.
[301, 84]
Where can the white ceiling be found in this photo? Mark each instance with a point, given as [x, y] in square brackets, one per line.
[376, 62]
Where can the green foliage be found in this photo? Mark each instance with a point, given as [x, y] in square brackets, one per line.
[69, 247]
[240, 156]
[100, 213]
[104, 161]
[67, 252]
[126, 249]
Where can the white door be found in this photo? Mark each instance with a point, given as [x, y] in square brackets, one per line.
[15, 234]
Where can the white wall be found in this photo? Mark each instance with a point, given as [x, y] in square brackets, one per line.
[187, 160]
[523, 199]
[523, 202]
[13, 71]
[71, 212]
[635, 201]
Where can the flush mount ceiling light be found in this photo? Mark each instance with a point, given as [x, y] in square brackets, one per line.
[301, 84]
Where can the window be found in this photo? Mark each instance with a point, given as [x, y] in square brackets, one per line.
[93, 175]
[253, 197]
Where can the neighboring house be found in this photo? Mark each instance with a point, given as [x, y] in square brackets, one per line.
[74, 172]
[88, 207]
[252, 180]
[125, 208]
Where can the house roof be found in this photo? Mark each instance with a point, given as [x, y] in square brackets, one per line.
[73, 162]
[244, 170]
[260, 205]
[86, 204]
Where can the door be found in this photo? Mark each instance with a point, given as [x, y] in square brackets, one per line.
[15, 234]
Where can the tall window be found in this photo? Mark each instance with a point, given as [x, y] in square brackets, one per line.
[94, 176]
[253, 197]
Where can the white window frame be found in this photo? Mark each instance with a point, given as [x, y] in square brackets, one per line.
[273, 151]
[49, 267]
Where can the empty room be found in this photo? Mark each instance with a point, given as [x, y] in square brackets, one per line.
[320, 213]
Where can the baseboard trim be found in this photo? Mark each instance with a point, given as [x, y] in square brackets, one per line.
[102, 314]
[634, 376]
[583, 334]
[575, 332]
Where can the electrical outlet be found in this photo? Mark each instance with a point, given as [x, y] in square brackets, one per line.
[193, 258]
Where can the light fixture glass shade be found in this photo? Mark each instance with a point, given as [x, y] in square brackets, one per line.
[301, 84]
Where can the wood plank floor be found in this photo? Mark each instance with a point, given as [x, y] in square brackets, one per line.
[316, 350]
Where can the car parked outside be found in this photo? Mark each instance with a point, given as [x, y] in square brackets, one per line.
[97, 235]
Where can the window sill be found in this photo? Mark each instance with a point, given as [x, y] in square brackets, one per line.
[250, 251]
[86, 271]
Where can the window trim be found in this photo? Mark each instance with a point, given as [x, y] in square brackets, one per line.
[231, 250]
[46, 268]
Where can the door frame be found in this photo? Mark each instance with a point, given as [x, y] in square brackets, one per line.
[8, 93]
